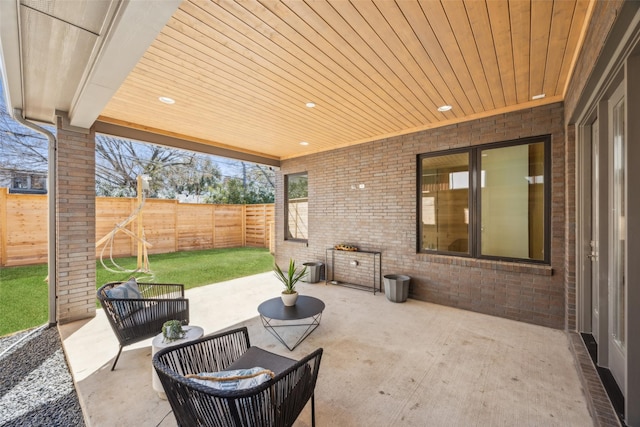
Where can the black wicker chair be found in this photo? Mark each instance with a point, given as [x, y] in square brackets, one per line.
[275, 403]
[134, 320]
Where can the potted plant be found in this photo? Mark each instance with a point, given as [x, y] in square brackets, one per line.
[172, 330]
[289, 280]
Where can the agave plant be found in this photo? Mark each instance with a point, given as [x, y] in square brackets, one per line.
[290, 278]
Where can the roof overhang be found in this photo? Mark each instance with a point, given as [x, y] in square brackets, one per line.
[241, 71]
[72, 56]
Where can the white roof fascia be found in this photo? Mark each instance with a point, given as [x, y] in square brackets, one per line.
[135, 25]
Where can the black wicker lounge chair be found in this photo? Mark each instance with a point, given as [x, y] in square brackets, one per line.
[274, 403]
[136, 319]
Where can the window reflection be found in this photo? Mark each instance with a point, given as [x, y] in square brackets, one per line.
[487, 201]
[297, 206]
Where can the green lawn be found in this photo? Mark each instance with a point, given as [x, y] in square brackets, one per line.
[24, 291]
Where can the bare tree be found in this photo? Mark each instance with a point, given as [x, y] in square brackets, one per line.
[195, 180]
[172, 172]
[21, 148]
[120, 161]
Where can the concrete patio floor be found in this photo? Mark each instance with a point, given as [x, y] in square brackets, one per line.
[384, 364]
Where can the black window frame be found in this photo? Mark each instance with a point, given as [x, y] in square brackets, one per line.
[474, 234]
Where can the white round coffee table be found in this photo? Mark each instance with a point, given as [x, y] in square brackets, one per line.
[158, 343]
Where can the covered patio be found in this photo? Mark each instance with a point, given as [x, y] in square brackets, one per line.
[358, 99]
[384, 363]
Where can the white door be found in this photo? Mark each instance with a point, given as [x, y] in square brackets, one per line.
[594, 246]
[617, 232]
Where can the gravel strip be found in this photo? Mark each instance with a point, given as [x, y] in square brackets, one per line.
[36, 388]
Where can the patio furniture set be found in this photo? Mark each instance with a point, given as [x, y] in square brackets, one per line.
[217, 380]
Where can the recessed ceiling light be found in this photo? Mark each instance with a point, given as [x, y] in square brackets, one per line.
[304, 143]
[310, 104]
[542, 95]
[167, 100]
[444, 108]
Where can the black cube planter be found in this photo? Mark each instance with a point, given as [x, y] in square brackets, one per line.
[396, 287]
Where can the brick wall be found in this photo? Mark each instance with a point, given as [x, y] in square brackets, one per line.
[75, 232]
[570, 230]
[382, 216]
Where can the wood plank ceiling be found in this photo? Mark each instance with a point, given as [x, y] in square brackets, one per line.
[241, 72]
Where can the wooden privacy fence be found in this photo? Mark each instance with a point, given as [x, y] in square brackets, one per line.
[168, 225]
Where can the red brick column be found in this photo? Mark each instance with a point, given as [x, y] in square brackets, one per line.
[75, 224]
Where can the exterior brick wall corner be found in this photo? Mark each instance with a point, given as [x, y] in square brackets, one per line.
[382, 217]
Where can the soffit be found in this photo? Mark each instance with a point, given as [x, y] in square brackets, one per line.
[60, 37]
[241, 71]
[71, 56]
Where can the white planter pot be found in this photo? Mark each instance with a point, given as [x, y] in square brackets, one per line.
[289, 299]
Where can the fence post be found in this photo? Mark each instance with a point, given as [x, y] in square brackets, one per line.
[176, 234]
[213, 226]
[3, 226]
[139, 225]
[264, 227]
[244, 225]
[131, 226]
